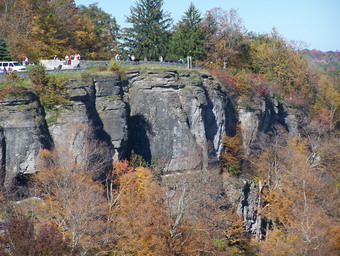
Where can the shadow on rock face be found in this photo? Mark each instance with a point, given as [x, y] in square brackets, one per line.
[139, 128]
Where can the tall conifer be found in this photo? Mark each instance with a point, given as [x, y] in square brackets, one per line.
[149, 35]
[188, 38]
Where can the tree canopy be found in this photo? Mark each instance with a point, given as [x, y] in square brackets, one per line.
[150, 33]
[188, 37]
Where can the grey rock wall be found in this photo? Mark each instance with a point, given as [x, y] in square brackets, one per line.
[176, 122]
[263, 119]
[96, 114]
[113, 112]
[23, 132]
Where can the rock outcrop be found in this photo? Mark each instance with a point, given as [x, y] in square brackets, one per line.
[113, 112]
[23, 132]
[96, 113]
[176, 122]
[266, 117]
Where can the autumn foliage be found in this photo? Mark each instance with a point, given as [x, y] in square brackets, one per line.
[22, 238]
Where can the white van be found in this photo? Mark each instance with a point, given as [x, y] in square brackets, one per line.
[11, 66]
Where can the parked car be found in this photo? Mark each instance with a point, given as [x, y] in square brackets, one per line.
[11, 66]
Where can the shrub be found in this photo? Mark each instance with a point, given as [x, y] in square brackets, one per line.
[37, 75]
[11, 91]
[50, 89]
[53, 93]
[224, 77]
[138, 160]
[115, 67]
[20, 238]
[101, 68]
[12, 77]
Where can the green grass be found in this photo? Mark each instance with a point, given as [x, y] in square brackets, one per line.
[113, 97]
[24, 83]
[69, 75]
[155, 67]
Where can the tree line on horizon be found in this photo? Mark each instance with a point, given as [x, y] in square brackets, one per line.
[41, 29]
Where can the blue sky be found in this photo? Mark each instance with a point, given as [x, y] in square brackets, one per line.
[315, 22]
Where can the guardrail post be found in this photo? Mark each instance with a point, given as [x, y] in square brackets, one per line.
[189, 62]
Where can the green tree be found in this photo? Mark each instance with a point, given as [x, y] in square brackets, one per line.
[4, 49]
[188, 38]
[105, 29]
[149, 35]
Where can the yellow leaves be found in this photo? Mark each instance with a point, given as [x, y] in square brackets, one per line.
[291, 200]
[71, 198]
[334, 234]
[279, 244]
[143, 178]
[277, 60]
[298, 145]
[233, 152]
[243, 85]
[139, 216]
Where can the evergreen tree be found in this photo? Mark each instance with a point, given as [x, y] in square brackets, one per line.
[149, 35]
[4, 50]
[188, 38]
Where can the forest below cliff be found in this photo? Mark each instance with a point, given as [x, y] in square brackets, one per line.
[272, 162]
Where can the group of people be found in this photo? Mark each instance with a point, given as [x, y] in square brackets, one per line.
[68, 58]
[127, 58]
[133, 58]
[24, 61]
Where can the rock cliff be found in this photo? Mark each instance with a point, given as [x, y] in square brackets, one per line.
[174, 120]
[264, 118]
[96, 114]
[23, 132]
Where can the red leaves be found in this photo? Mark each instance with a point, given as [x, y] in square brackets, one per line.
[224, 77]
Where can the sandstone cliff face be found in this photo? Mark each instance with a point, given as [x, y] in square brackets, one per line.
[265, 118]
[176, 122]
[23, 132]
[96, 113]
[113, 112]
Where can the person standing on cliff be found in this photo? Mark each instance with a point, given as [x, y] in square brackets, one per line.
[25, 62]
[67, 58]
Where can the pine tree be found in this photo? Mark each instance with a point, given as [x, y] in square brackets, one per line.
[188, 38]
[4, 50]
[149, 34]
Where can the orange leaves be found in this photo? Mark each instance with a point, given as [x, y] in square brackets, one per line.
[139, 215]
[233, 152]
[291, 200]
[71, 198]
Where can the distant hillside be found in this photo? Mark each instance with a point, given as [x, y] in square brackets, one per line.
[325, 61]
